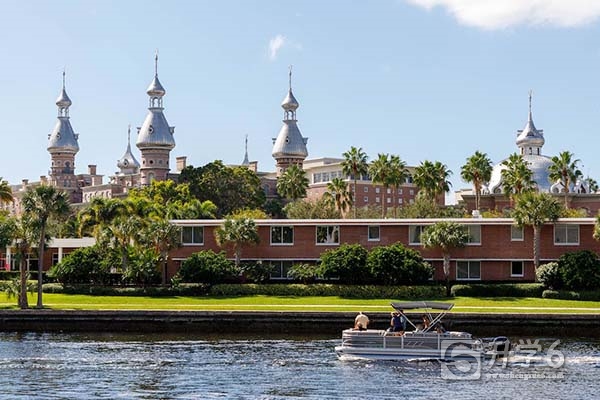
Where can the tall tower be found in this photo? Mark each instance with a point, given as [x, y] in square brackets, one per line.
[127, 164]
[530, 140]
[62, 146]
[155, 136]
[289, 147]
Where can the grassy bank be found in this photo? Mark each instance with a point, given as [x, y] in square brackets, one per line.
[291, 303]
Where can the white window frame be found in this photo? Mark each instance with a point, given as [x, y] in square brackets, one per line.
[414, 231]
[332, 235]
[517, 229]
[372, 238]
[565, 228]
[468, 263]
[282, 235]
[469, 229]
[512, 274]
[193, 236]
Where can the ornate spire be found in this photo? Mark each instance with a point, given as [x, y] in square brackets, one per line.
[289, 147]
[63, 101]
[128, 164]
[290, 104]
[63, 139]
[530, 139]
[246, 160]
[156, 91]
[155, 131]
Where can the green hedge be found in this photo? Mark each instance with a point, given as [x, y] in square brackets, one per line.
[181, 290]
[323, 289]
[572, 295]
[8, 275]
[499, 290]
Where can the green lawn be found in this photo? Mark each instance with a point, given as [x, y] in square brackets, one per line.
[267, 303]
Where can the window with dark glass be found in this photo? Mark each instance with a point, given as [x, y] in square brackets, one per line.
[282, 235]
[468, 270]
[374, 232]
[566, 234]
[516, 268]
[192, 235]
[329, 234]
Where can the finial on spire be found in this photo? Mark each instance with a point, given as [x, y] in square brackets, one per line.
[290, 77]
[530, 95]
[64, 73]
[156, 63]
[246, 144]
[128, 133]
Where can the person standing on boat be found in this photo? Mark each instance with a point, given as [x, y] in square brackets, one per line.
[361, 321]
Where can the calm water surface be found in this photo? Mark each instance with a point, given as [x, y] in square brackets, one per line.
[91, 366]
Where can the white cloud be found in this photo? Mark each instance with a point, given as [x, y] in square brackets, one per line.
[498, 14]
[276, 44]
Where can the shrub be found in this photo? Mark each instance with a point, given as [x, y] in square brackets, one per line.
[83, 265]
[580, 270]
[142, 268]
[257, 272]
[181, 290]
[206, 267]
[325, 289]
[499, 290]
[550, 275]
[304, 273]
[395, 264]
[8, 275]
[347, 262]
[590, 295]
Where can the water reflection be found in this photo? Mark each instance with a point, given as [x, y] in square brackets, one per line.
[86, 366]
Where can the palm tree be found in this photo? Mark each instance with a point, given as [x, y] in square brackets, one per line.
[446, 236]
[432, 179]
[398, 176]
[24, 235]
[380, 171]
[564, 170]
[163, 237]
[40, 204]
[592, 184]
[237, 232]
[5, 192]
[12, 231]
[337, 191]
[98, 215]
[292, 184]
[355, 165]
[535, 209]
[517, 178]
[477, 170]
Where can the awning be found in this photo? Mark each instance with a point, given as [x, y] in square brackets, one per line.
[423, 304]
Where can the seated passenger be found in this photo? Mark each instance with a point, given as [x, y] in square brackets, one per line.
[425, 325]
[439, 328]
[360, 322]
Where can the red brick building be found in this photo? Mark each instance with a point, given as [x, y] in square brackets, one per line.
[498, 250]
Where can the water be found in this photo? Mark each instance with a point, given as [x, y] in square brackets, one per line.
[105, 366]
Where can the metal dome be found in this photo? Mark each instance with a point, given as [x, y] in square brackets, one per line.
[289, 142]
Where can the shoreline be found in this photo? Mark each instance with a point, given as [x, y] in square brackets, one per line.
[284, 322]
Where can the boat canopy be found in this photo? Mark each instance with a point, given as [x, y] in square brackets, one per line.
[423, 304]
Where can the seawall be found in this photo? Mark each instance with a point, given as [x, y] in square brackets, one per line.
[285, 323]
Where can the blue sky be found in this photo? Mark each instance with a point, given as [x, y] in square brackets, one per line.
[424, 79]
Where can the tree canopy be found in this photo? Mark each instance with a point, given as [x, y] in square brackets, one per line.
[228, 188]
